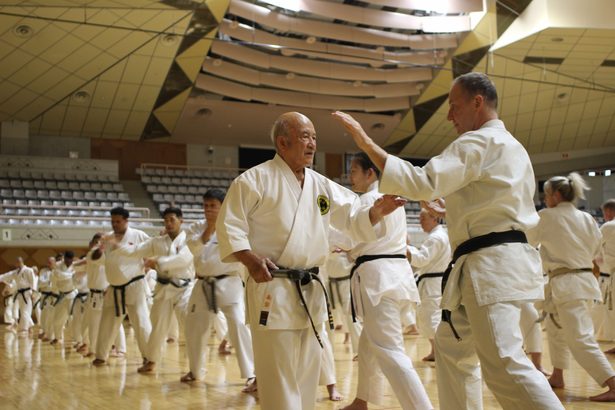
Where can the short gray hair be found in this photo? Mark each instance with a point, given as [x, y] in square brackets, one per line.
[479, 84]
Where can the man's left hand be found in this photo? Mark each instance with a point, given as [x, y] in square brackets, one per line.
[384, 206]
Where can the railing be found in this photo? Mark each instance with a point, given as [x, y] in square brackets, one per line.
[86, 218]
[150, 165]
[145, 211]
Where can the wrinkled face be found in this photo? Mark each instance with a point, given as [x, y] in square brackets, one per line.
[359, 178]
[172, 224]
[427, 221]
[462, 111]
[211, 207]
[298, 148]
[119, 224]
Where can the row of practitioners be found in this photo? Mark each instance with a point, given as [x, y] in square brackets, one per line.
[277, 221]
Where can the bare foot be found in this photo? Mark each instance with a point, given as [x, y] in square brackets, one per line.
[357, 404]
[41, 336]
[88, 354]
[334, 395]
[608, 395]
[543, 371]
[346, 338]
[429, 358]
[251, 386]
[338, 327]
[411, 330]
[54, 342]
[610, 351]
[99, 362]
[355, 358]
[147, 367]
[45, 339]
[556, 382]
[170, 340]
[187, 378]
[83, 348]
[223, 348]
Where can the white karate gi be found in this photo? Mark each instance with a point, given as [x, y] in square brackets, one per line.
[488, 183]
[11, 310]
[78, 322]
[120, 270]
[62, 282]
[530, 328]
[229, 300]
[380, 289]
[604, 312]
[432, 256]
[267, 211]
[570, 238]
[175, 265]
[25, 279]
[338, 266]
[46, 300]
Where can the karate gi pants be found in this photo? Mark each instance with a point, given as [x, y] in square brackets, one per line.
[36, 310]
[24, 311]
[11, 310]
[342, 303]
[167, 302]
[530, 328]
[138, 315]
[199, 321]
[408, 314]
[93, 314]
[327, 366]
[78, 324]
[48, 317]
[498, 343]
[287, 364]
[382, 354]
[576, 337]
[61, 314]
[428, 313]
[602, 316]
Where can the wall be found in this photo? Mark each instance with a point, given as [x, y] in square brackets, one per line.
[58, 146]
[131, 154]
[212, 156]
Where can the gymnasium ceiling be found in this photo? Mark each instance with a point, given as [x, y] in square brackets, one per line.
[219, 71]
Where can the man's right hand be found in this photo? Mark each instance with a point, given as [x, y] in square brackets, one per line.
[258, 266]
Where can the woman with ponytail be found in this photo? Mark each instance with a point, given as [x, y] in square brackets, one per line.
[569, 240]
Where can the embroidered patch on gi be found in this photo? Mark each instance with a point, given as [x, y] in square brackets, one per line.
[323, 204]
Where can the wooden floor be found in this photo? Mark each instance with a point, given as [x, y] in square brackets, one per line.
[36, 375]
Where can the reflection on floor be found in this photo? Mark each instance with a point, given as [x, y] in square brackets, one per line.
[36, 375]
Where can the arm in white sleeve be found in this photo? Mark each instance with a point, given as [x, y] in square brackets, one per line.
[351, 217]
[425, 255]
[8, 276]
[232, 225]
[193, 239]
[459, 165]
[176, 263]
[141, 250]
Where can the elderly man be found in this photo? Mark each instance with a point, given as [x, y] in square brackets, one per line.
[431, 259]
[126, 293]
[487, 181]
[275, 220]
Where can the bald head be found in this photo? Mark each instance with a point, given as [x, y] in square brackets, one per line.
[294, 138]
[286, 124]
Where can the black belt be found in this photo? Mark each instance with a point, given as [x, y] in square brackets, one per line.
[21, 292]
[429, 275]
[473, 245]
[604, 275]
[60, 296]
[122, 290]
[302, 277]
[82, 296]
[361, 260]
[210, 294]
[336, 282]
[182, 282]
[97, 291]
[41, 299]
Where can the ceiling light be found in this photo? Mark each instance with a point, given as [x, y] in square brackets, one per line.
[169, 39]
[607, 172]
[217, 62]
[420, 86]
[310, 40]
[23, 30]
[357, 83]
[234, 24]
[81, 97]
[592, 173]
[292, 5]
[290, 76]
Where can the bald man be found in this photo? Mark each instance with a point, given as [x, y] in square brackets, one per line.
[277, 215]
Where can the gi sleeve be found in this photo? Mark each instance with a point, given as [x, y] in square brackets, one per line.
[351, 217]
[426, 254]
[179, 262]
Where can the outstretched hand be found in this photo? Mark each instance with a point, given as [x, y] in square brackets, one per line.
[384, 206]
[436, 208]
